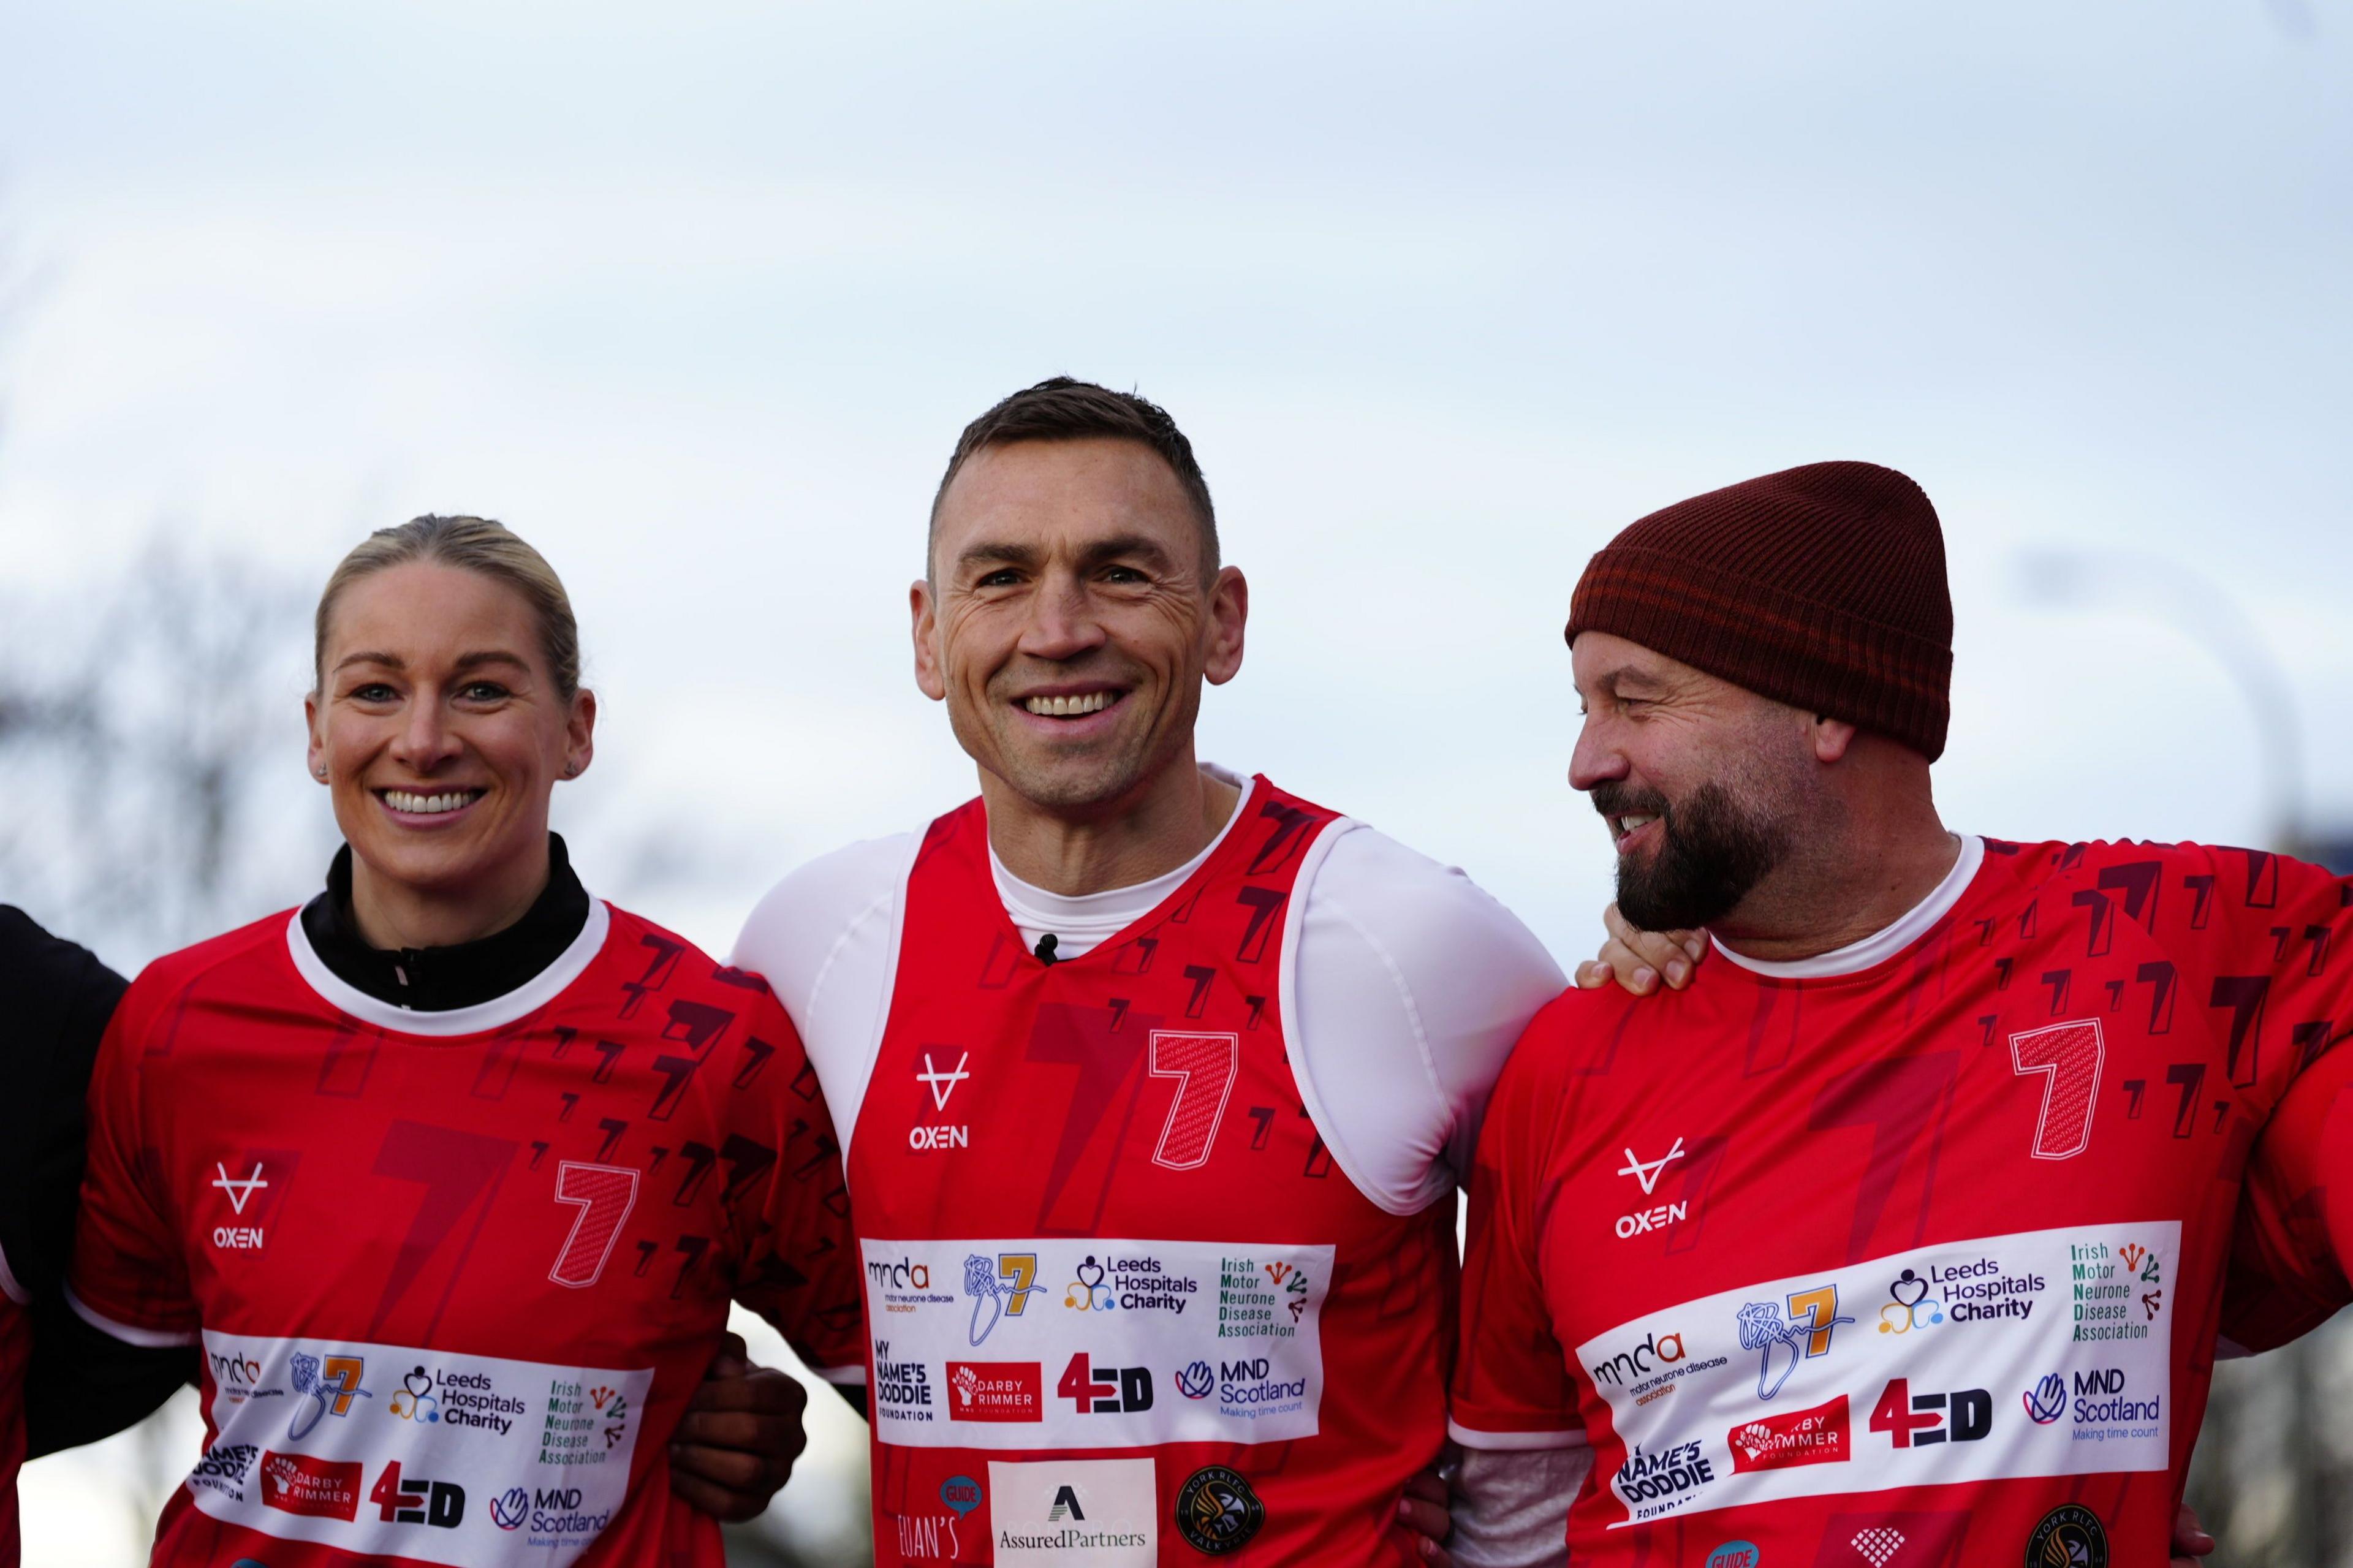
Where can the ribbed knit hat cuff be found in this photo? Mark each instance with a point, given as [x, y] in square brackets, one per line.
[1773, 642]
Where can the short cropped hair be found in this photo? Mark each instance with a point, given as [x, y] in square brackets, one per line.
[1062, 408]
[473, 544]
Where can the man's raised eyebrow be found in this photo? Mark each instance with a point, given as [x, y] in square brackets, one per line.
[1005, 553]
[1119, 544]
[1627, 675]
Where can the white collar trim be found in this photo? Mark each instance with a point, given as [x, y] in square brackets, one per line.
[1883, 945]
[495, 1014]
[1031, 905]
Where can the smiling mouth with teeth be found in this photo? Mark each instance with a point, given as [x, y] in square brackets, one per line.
[1069, 706]
[1629, 823]
[432, 805]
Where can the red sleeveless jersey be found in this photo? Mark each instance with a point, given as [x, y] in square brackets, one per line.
[1124, 1310]
[455, 1275]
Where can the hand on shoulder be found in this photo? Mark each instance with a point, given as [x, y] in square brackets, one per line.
[1637, 959]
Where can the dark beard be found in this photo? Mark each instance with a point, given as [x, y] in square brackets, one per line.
[1712, 853]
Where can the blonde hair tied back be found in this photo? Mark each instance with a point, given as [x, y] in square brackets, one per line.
[471, 544]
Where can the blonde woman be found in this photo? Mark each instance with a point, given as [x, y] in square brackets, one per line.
[452, 1173]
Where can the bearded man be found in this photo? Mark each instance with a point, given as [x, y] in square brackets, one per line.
[1901, 1239]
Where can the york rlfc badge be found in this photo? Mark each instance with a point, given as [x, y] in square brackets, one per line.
[1217, 1512]
[2069, 1536]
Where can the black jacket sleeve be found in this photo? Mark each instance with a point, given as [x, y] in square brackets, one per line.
[54, 1001]
[85, 1383]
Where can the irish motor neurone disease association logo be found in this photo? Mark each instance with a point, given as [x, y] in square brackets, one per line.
[2069, 1536]
[1217, 1511]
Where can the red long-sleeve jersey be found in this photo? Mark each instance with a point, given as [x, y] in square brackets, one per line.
[1916, 1264]
[455, 1274]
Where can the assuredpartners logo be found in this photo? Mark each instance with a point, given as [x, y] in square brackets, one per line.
[1101, 1511]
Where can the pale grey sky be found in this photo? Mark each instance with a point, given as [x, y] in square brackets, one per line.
[698, 298]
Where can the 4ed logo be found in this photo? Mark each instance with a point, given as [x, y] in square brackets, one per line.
[1920, 1420]
[1105, 1390]
[331, 1385]
[1813, 1317]
[1005, 1289]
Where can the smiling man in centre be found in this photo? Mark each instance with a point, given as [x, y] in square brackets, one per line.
[1156, 1081]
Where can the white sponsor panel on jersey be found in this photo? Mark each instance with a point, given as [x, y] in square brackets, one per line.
[1074, 1513]
[2045, 1352]
[1111, 1342]
[390, 1451]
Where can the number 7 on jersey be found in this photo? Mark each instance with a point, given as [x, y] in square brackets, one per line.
[1204, 1067]
[2068, 1056]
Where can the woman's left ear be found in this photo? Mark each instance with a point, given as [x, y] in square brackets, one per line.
[580, 735]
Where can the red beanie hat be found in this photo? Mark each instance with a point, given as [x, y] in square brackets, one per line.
[1822, 587]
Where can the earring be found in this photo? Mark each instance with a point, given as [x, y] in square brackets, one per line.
[571, 770]
[320, 772]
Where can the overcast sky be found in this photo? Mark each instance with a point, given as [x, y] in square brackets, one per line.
[697, 298]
